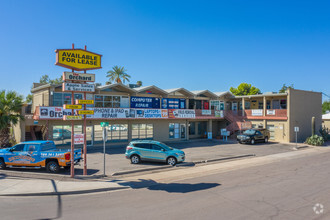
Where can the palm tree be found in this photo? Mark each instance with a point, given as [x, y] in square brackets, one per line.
[10, 113]
[118, 74]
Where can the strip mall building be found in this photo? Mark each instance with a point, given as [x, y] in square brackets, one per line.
[150, 112]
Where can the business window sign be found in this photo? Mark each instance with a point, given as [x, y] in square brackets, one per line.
[169, 103]
[78, 59]
[176, 113]
[84, 77]
[257, 112]
[122, 113]
[144, 102]
[76, 87]
[53, 112]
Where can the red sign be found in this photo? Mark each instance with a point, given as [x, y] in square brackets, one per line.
[79, 139]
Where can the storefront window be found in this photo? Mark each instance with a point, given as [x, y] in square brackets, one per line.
[142, 131]
[268, 106]
[261, 105]
[247, 105]
[62, 134]
[191, 128]
[283, 104]
[107, 101]
[59, 99]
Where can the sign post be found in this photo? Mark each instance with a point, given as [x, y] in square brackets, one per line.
[79, 60]
[296, 130]
[104, 135]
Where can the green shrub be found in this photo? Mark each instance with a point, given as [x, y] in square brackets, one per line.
[325, 132]
[315, 140]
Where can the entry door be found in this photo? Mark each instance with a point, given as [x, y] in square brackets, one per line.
[234, 106]
[183, 131]
[90, 136]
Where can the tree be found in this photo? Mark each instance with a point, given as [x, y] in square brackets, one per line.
[245, 89]
[10, 113]
[325, 107]
[139, 83]
[45, 79]
[118, 74]
[28, 99]
[284, 88]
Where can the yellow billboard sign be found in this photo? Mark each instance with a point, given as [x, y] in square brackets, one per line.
[86, 112]
[72, 117]
[72, 106]
[78, 59]
[85, 102]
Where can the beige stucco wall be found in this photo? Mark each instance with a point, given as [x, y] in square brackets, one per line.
[40, 98]
[302, 106]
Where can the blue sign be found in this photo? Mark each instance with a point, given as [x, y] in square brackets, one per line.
[144, 102]
[173, 103]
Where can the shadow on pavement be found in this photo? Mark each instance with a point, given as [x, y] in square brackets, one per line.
[3, 176]
[169, 187]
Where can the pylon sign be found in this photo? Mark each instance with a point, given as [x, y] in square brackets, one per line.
[78, 59]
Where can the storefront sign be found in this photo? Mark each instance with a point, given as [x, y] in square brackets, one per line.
[257, 112]
[86, 112]
[110, 113]
[151, 113]
[78, 138]
[72, 117]
[78, 59]
[206, 112]
[76, 87]
[270, 112]
[176, 113]
[87, 102]
[53, 112]
[72, 106]
[144, 102]
[173, 103]
[85, 77]
[219, 114]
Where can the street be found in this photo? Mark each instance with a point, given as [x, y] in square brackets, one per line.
[287, 189]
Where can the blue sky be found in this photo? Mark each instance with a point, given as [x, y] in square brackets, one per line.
[192, 44]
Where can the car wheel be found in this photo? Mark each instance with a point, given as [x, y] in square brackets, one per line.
[171, 161]
[53, 167]
[2, 164]
[253, 141]
[135, 159]
[266, 139]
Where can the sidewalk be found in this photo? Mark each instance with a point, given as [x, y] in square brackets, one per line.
[13, 186]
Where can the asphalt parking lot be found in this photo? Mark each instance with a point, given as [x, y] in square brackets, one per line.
[195, 150]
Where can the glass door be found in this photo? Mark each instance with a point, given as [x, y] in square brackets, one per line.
[183, 131]
[90, 136]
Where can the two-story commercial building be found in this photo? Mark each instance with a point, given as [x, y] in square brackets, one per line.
[177, 114]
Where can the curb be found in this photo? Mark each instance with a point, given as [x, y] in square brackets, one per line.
[180, 165]
[67, 192]
[140, 170]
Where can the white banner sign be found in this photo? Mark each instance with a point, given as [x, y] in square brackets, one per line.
[219, 114]
[53, 112]
[270, 112]
[79, 139]
[179, 113]
[206, 112]
[257, 112]
[128, 113]
[76, 87]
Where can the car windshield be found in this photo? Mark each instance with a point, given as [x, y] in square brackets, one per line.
[166, 146]
[249, 132]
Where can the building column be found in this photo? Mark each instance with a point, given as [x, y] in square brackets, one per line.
[209, 126]
[264, 105]
[187, 130]
[243, 107]
[129, 131]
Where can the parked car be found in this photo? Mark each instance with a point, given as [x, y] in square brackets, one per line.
[37, 154]
[254, 135]
[146, 150]
[61, 134]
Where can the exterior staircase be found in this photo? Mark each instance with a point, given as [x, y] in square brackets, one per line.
[237, 121]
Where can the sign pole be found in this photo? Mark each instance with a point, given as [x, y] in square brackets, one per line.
[85, 136]
[72, 134]
[104, 138]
